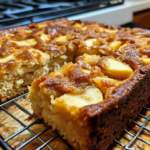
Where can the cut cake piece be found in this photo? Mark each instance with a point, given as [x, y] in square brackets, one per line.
[88, 103]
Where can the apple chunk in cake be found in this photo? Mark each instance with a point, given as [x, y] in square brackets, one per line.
[59, 97]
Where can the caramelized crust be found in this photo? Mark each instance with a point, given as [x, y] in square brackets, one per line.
[43, 36]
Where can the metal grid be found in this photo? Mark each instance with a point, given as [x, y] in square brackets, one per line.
[5, 145]
[22, 12]
[136, 136]
[4, 142]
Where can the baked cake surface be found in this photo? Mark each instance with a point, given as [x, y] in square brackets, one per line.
[27, 52]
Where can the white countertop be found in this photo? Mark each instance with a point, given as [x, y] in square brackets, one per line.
[117, 15]
[139, 5]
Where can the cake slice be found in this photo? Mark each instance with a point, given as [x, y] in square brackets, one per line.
[90, 102]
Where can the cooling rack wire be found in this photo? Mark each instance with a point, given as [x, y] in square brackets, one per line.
[4, 142]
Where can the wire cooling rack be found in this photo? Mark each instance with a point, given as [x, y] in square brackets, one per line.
[4, 142]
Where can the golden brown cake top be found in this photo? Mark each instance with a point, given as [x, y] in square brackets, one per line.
[60, 36]
[104, 73]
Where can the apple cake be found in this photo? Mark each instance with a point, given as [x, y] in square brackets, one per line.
[100, 79]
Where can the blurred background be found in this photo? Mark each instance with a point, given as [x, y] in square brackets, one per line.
[126, 13]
